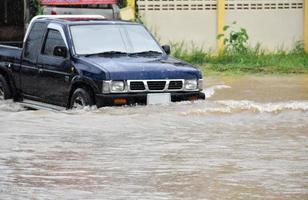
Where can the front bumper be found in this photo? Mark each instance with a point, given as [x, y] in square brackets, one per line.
[141, 98]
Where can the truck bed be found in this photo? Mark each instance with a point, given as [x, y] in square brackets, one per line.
[10, 53]
[12, 44]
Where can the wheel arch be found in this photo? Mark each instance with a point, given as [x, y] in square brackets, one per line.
[9, 79]
[82, 83]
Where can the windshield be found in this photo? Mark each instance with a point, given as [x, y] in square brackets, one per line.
[106, 38]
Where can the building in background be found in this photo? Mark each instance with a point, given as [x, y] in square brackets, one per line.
[14, 16]
[107, 8]
[275, 24]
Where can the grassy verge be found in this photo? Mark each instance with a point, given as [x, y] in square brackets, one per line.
[251, 61]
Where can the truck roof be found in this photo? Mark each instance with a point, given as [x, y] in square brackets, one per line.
[79, 19]
[75, 20]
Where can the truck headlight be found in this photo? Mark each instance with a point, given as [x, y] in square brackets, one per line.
[113, 86]
[190, 84]
[117, 86]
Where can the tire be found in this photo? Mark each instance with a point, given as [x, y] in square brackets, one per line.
[5, 91]
[81, 98]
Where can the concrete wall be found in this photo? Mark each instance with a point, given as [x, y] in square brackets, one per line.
[273, 23]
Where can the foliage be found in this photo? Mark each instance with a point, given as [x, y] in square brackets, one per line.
[238, 57]
[196, 56]
[234, 40]
[35, 8]
[122, 3]
[252, 60]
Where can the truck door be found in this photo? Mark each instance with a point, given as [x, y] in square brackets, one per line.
[29, 72]
[54, 66]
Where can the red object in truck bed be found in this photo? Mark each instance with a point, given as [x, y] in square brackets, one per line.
[76, 2]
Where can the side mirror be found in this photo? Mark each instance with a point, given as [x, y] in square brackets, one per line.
[167, 49]
[60, 51]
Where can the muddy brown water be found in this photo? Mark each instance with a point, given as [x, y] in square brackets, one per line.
[248, 140]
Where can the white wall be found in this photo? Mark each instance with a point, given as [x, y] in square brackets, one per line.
[273, 23]
[195, 27]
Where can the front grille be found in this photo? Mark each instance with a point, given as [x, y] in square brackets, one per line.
[175, 85]
[137, 85]
[156, 85]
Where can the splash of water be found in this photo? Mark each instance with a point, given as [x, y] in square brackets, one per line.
[199, 107]
[10, 106]
[265, 107]
[235, 106]
[210, 91]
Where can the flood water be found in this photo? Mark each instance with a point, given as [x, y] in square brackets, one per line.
[248, 140]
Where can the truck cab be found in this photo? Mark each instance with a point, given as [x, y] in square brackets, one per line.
[78, 61]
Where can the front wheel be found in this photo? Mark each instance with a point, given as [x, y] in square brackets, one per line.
[5, 92]
[81, 98]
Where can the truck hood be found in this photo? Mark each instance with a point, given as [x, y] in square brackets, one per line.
[143, 68]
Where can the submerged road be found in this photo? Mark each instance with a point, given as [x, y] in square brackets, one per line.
[248, 140]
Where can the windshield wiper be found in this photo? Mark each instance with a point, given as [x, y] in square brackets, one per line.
[108, 53]
[146, 53]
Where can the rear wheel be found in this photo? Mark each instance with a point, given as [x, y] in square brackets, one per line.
[81, 98]
[5, 92]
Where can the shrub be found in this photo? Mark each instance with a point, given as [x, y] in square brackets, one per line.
[235, 40]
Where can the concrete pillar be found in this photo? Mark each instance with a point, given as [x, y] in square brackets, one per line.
[306, 26]
[221, 24]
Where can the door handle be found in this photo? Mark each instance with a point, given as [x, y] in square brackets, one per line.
[40, 71]
[9, 66]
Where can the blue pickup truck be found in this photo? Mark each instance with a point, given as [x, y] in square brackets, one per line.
[78, 61]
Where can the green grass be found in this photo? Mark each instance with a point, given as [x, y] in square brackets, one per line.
[252, 61]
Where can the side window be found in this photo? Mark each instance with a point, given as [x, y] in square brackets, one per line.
[53, 39]
[34, 41]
